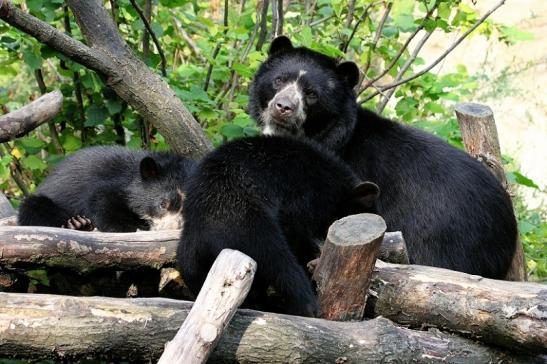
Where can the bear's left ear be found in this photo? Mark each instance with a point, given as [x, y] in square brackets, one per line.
[366, 193]
[349, 72]
[149, 168]
[280, 44]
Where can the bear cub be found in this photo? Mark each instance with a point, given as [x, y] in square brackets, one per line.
[272, 198]
[452, 211]
[113, 188]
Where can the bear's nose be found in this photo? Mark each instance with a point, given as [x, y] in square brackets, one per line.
[284, 106]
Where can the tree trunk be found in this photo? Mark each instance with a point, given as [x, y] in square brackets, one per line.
[508, 314]
[127, 75]
[29, 117]
[226, 286]
[344, 269]
[135, 330]
[480, 138]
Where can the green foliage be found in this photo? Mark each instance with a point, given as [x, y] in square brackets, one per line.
[93, 114]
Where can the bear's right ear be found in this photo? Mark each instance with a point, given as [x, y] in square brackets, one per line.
[365, 194]
[280, 44]
[149, 168]
[349, 72]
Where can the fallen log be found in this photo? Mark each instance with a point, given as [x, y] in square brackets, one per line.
[84, 252]
[345, 266]
[227, 284]
[29, 117]
[502, 313]
[70, 328]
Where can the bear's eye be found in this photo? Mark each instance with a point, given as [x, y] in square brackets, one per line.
[311, 97]
[164, 204]
[277, 82]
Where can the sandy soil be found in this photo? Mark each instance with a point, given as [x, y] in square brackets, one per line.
[514, 85]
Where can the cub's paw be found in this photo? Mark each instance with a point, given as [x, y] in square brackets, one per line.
[78, 222]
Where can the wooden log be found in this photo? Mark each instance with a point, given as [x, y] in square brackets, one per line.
[508, 314]
[226, 286]
[135, 330]
[27, 118]
[480, 138]
[6, 210]
[393, 248]
[344, 269]
[8, 221]
[84, 252]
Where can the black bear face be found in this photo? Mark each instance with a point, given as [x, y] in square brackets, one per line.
[160, 192]
[299, 92]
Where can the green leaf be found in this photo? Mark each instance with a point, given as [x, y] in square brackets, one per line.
[306, 37]
[39, 275]
[231, 131]
[114, 106]
[71, 143]
[95, 115]
[33, 162]
[32, 59]
[35, 6]
[525, 181]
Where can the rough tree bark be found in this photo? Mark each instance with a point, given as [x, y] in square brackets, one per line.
[226, 286]
[68, 328]
[480, 138]
[108, 54]
[29, 117]
[84, 252]
[508, 314]
[345, 266]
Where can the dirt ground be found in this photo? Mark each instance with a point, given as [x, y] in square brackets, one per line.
[514, 85]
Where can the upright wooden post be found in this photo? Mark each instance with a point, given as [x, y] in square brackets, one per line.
[480, 138]
[345, 267]
[225, 288]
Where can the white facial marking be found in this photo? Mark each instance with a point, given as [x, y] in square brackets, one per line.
[302, 73]
[268, 130]
[170, 221]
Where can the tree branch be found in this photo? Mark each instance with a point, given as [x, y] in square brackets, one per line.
[51, 125]
[217, 48]
[440, 58]
[153, 35]
[377, 37]
[345, 46]
[29, 117]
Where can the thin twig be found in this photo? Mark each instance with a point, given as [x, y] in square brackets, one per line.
[146, 35]
[376, 38]
[399, 53]
[344, 47]
[51, 124]
[217, 48]
[153, 35]
[402, 71]
[277, 17]
[193, 46]
[15, 171]
[263, 25]
[440, 58]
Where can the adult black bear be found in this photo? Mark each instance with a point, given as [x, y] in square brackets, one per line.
[273, 198]
[451, 210]
[117, 189]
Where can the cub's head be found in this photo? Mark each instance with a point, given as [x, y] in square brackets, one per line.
[300, 92]
[158, 194]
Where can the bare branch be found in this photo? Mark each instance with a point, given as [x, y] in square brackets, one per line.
[217, 48]
[344, 47]
[440, 58]
[27, 118]
[51, 125]
[377, 37]
[153, 35]
[399, 53]
[263, 25]
[277, 17]
[402, 71]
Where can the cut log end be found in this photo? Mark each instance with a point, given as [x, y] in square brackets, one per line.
[474, 110]
[356, 230]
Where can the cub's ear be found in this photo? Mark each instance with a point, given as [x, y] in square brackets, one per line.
[365, 194]
[149, 168]
[280, 44]
[349, 72]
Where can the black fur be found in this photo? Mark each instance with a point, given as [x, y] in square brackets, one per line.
[451, 209]
[272, 198]
[118, 189]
